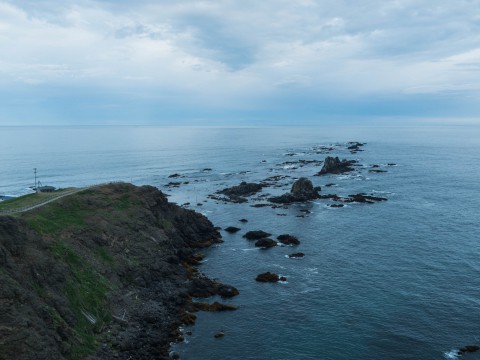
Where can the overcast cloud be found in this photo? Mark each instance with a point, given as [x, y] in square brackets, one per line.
[178, 62]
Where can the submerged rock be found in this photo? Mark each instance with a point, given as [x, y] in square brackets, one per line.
[296, 255]
[256, 235]
[302, 190]
[333, 165]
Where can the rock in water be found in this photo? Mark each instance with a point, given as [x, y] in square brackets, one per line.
[302, 190]
[219, 334]
[267, 277]
[288, 239]
[468, 349]
[256, 235]
[232, 229]
[333, 165]
[301, 186]
[238, 193]
[296, 255]
[266, 243]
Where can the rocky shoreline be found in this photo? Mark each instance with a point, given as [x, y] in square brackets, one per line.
[143, 252]
[108, 273]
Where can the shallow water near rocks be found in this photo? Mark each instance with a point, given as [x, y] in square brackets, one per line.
[391, 280]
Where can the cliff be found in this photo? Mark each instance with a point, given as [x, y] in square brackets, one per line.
[105, 273]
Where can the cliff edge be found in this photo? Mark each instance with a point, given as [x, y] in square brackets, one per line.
[105, 273]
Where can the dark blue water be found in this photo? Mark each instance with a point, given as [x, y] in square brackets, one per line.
[392, 280]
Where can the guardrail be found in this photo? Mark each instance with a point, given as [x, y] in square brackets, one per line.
[53, 198]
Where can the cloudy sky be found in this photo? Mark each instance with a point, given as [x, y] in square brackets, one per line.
[237, 62]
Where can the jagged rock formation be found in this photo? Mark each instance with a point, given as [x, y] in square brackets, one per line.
[333, 165]
[302, 190]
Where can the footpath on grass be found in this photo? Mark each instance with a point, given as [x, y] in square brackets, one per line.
[34, 202]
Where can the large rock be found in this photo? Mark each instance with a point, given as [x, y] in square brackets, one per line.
[256, 235]
[266, 243]
[270, 277]
[302, 190]
[333, 165]
[287, 239]
[238, 193]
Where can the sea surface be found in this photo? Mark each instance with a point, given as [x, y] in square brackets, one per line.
[398, 279]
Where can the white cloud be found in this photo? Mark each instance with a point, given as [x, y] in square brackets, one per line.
[234, 54]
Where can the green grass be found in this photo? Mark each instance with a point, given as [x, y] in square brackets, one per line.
[104, 255]
[86, 292]
[166, 225]
[52, 217]
[29, 200]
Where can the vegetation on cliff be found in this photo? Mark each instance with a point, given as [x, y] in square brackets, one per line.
[105, 273]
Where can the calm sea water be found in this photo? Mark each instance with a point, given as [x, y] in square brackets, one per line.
[393, 280]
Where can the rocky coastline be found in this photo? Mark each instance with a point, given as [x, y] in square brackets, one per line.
[108, 273]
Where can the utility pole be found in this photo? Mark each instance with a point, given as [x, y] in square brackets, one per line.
[35, 172]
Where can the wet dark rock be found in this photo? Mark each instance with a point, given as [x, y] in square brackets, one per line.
[336, 205]
[207, 169]
[302, 190]
[330, 184]
[333, 165]
[173, 184]
[219, 334]
[300, 163]
[288, 239]
[216, 306]
[267, 277]
[377, 171]
[174, 355]
[243, 220]
[363, 198]
[468, 349]
[296, 255]
[265, 243]
[256, 235]
[227, 291]
[355, 146]
[392, 164]
[173, 176]
[239, 192]
[203, 287]
[232, 229]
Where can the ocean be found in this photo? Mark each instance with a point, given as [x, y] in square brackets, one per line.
[397, 279]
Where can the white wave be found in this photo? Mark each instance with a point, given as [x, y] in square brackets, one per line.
[451, 355]
[381, 192]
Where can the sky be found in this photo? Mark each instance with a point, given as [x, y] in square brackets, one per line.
[223, 62]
